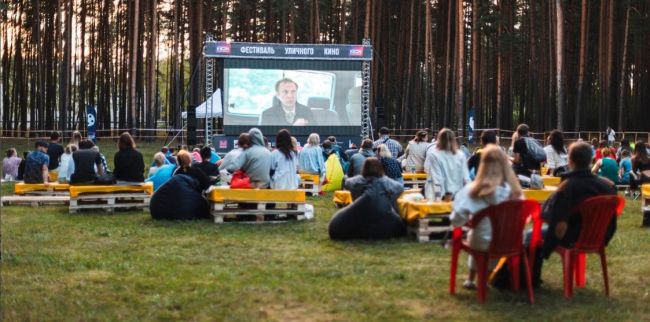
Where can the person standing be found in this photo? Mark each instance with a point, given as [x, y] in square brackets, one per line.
[54, 151]
[36, 164]
[384, 138]
[415, 152]
[611, 136]
[10, 165]
[446, 164]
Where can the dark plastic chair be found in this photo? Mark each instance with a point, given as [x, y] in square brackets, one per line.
[508, 220]
[597, 213]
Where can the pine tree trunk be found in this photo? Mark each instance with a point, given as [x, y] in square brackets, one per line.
[623, 80]
[584, 32]
[559, 59]
[460, 65]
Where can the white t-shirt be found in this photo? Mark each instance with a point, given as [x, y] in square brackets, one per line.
[611, 135]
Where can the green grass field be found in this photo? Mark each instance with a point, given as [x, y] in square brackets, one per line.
[95, 266]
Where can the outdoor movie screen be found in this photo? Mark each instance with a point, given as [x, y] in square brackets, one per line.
[281, 97]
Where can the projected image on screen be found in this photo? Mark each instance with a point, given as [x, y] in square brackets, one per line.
[292, 97]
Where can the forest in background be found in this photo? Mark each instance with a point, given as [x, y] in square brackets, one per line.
[568, 64]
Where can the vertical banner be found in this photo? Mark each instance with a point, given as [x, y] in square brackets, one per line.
[91, 118]
[470, 126]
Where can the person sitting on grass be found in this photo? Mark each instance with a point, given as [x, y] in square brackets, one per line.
[158, 161]
[129, 164]
[357, 160]
[640, 165]
[372, 214]
[625, 168]
[86, 161]
[66, 168]
[184, 160]
[243, 142]
[606, 167]
[10, 165]
[556, 155]
[495, 183]
[36, 165]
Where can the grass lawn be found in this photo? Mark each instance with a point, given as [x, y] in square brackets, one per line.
[94, 266]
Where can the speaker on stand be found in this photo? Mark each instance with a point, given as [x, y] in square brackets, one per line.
[191, 125]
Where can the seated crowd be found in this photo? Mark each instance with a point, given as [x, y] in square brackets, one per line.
[373, 174]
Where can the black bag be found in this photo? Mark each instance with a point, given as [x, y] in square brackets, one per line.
[646, 217]
[535, 150]
[105, 179]
[559, 171]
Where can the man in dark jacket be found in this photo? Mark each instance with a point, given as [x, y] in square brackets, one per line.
[576, 186]
[288, 111]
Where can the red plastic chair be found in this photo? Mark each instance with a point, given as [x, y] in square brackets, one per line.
[508, 221]
[596, 212]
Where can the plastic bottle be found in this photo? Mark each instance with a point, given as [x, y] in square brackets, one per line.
[428, 189]
[437, 192]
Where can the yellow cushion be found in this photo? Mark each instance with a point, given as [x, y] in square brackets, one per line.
[146, 187]
[221, 195]
[342, 197]
[22, 188]
[539, 195]
[414, 176]
[414, 210]
[309, 177]
[645, 190]
[551, 181]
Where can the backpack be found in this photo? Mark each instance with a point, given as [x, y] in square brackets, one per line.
[536, 152]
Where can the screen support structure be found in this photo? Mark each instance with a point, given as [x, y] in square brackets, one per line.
[209, 86]
[366, 131]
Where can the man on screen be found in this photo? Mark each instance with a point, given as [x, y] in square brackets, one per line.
[288, 112]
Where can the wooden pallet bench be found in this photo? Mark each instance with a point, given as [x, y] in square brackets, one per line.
[110, 197]
[34, 201]
[256, 205]
[429, 229]
[426, 221]
[310, 183]
[39, 189]
[414, 180]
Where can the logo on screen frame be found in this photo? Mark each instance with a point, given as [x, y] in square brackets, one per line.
[356, 51]
[223, 48]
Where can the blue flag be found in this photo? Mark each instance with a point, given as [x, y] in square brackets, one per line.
[91, 118]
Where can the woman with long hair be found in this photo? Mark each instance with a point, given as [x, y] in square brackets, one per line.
[284, 163]
[640, 165]
[606, 167]
[392, 168]
[415, 152]
[128, 162]
[495, 183]
[184, 161]
[446, 165]
[557, 158]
